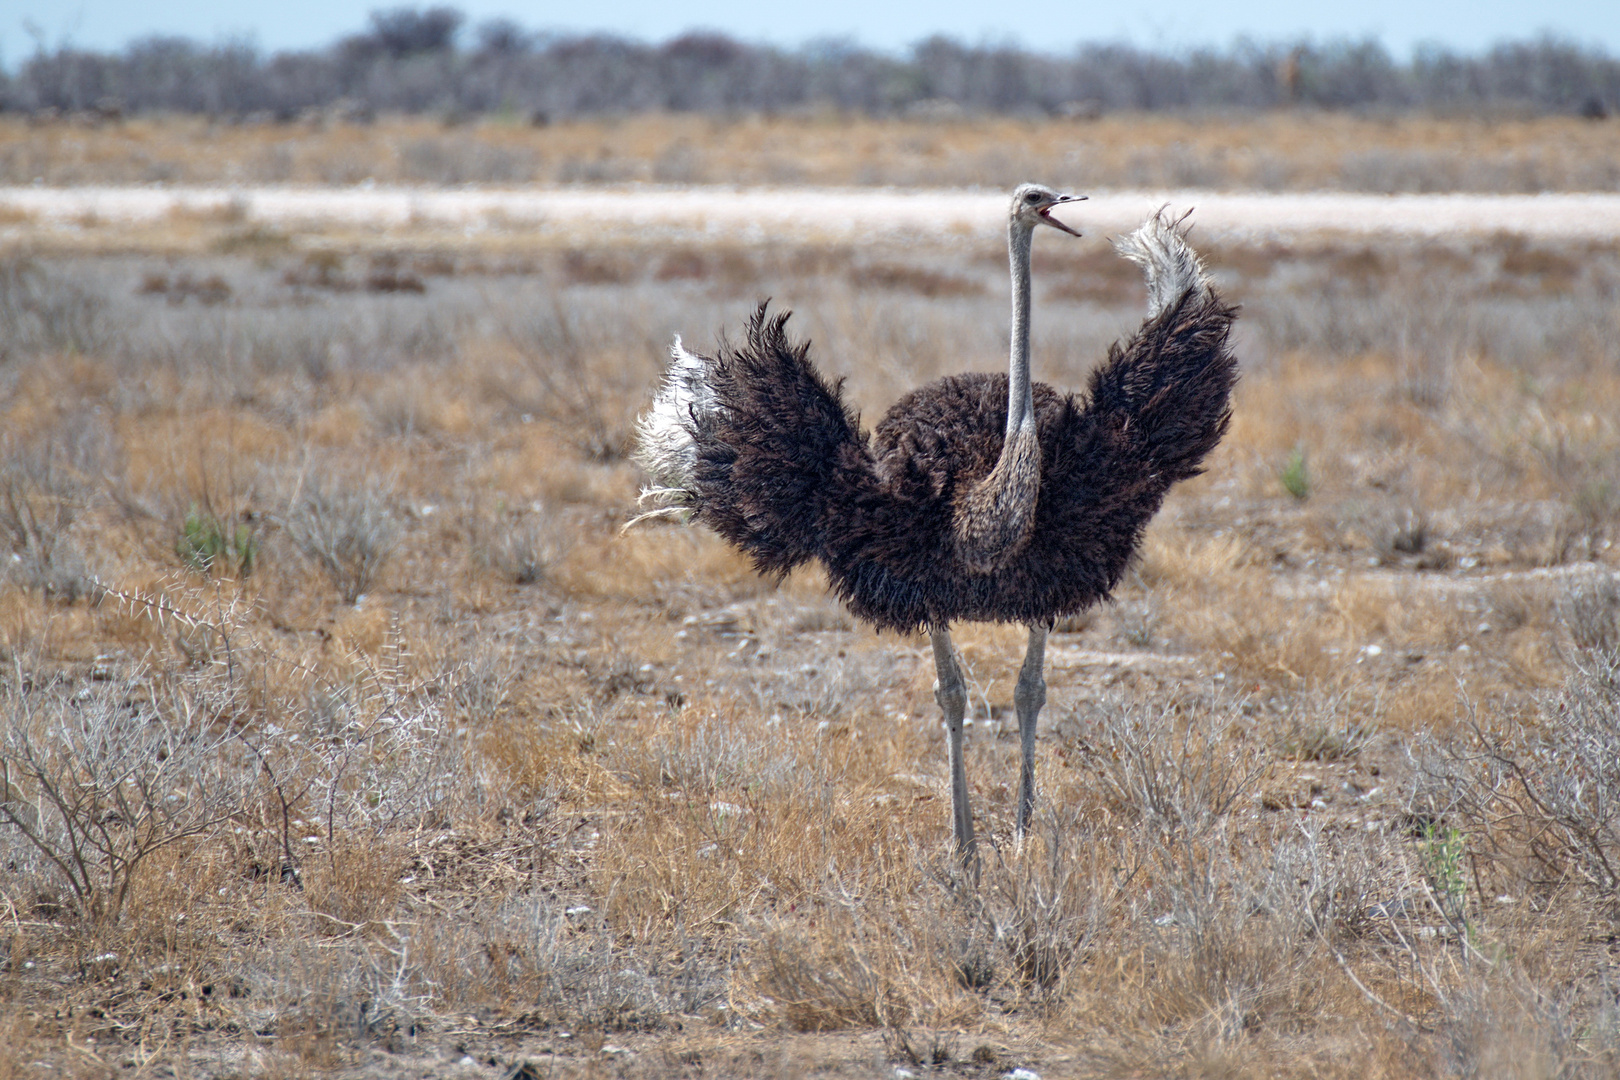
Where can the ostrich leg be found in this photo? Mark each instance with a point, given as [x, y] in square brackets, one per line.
[1028, 697]
[950, 690]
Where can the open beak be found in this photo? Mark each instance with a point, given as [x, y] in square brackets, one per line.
[1046, 213]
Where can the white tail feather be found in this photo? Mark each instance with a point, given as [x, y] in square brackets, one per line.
[1172, 268]
[666, 445]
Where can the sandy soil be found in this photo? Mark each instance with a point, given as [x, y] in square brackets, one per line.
[807, 214]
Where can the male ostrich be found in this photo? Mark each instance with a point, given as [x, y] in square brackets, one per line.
[978, 497]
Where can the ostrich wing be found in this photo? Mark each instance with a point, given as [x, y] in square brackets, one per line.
[778, 453]
[1154, 409]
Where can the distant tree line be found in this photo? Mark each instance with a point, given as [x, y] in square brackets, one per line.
[423, 60]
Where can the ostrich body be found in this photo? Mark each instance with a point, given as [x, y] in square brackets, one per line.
[977, 497]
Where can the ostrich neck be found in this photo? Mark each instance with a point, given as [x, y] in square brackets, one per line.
[995, 517]
[1020, 393]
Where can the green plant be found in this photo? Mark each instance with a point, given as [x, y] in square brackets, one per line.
[1296, 479]
[1443, 850]
[206, 541]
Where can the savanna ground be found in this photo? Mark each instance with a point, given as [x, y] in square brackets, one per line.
[345, 733]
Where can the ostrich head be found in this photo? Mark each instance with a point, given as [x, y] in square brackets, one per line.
[1032, 205]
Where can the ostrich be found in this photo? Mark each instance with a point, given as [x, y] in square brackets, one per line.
[978, 497]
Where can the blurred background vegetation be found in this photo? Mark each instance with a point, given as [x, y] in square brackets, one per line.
[428, 60]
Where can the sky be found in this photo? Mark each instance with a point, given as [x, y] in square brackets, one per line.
[1047, 25]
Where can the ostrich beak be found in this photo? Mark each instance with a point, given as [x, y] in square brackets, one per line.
[1046, 213]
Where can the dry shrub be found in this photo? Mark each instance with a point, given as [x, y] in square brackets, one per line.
[355, 884]
[713, 754]
[1593, 507]
[1172, 557]
[1043, 910]
[846, 976]
[345, 525]
[1228, 927]
[318, 270]
[208, 291]
[1177, 767]
[94, 787]
[405, 408]
[1541, 803]
[584, 377]
[1326, 727]
[586, 268]
[841, 964]
[559, 963]
[321, 996]
[684, 869]
[1511, 1027]
[531, 759]
[1235, 943]
[732, 270]
[1590, 611]
[1369, 612]
[521, 546]
[45, 486]
[1267, 638]
[43, 312]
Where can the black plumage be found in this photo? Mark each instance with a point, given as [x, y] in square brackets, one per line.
[785, 473]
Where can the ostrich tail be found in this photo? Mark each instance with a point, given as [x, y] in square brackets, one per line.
[666, 436]
[1172, 268]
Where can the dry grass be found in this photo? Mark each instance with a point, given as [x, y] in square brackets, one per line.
[453, 774]
[1280, 151]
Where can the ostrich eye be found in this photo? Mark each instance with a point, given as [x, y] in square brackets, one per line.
[1033, 197]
